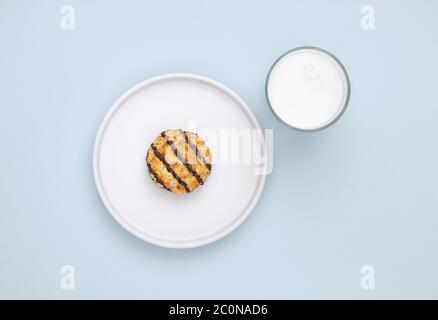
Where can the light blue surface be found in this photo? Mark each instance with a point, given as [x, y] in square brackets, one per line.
[364, 191]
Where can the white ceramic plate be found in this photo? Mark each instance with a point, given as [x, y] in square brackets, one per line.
[156, 215]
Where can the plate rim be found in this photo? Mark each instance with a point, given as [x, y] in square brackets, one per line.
[119, 217]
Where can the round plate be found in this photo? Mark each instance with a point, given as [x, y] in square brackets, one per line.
[156, 215]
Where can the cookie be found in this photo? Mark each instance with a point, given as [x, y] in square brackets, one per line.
[178, 161]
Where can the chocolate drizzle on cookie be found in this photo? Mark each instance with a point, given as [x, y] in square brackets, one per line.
[177, 162]
[157, 178]
[182, 159]
[195, 150]
[169, 168]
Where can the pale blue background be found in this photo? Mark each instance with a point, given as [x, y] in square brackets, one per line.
[364, 191]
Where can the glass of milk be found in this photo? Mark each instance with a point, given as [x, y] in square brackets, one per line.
[308, 88]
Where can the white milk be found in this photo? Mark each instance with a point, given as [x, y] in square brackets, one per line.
[307, 89]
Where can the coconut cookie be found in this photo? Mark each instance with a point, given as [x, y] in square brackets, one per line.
[178, 161]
